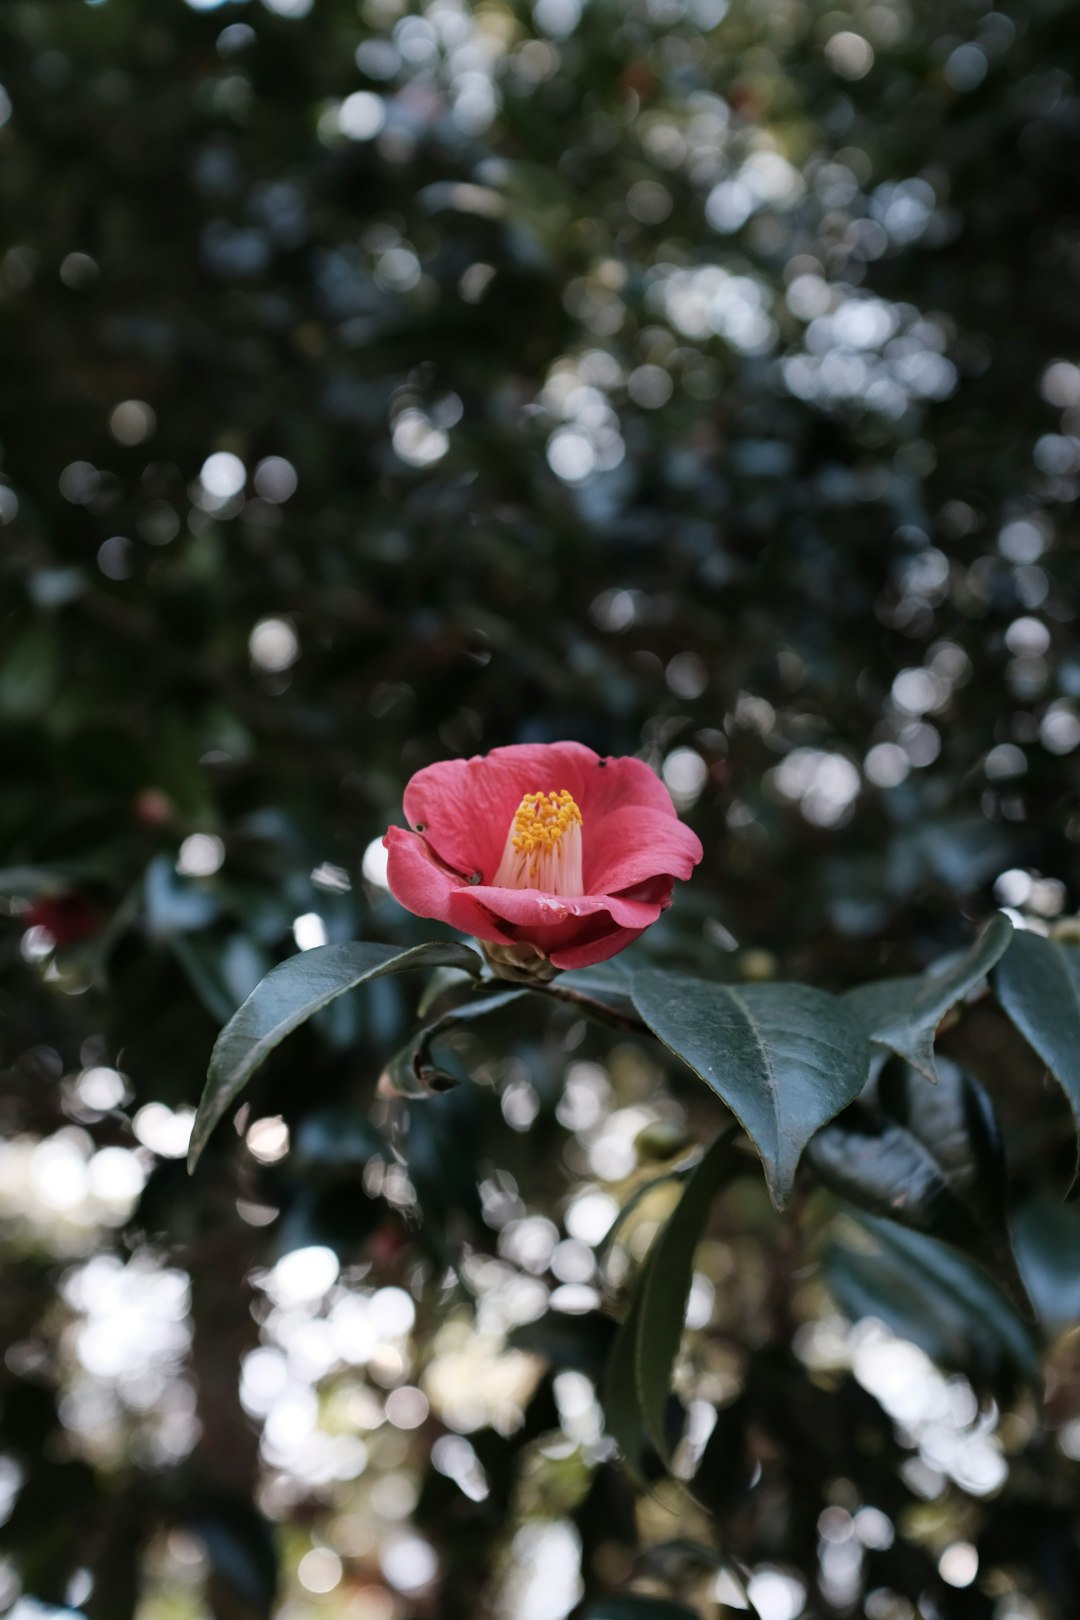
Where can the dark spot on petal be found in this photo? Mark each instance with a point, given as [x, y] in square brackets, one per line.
[476, 877]
[601, 762]
[421, 826]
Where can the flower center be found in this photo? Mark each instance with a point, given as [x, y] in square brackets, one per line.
[543, 846]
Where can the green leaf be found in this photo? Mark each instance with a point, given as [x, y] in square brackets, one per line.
[222, 972]
[337, 1141]
[285, 999]
[927, 1293]
[639, 1373]
[26, 881]
[1047, 1239]
[623, 1415]
[241, 1549]
[175, 904]
[930, 1158]
[417, 1069]
[579, 1343]
[30, 671]
[1038, 984]
[666, 1285]
[202, 973]
[785, 1058]
[603, 990]
[903, 1014]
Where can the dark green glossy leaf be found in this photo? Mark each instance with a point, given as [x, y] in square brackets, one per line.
[639, 1372]
[928, 1157]
[785, 1058]
[665, 1287]
[1038, 984]
[927, 1293]
[285, 999]
[1046, 1235]
[603, 990]
[903, 1014]
[335, 1141]
[426, 1064]
[623, 1414]
[643, 1191]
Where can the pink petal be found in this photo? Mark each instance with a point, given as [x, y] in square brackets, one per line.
[588, 952]
[423, 886]
[611, 784]
[465, 806]
[632, 844]
[529, 909]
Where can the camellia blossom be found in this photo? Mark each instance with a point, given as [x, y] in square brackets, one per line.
[550, 855]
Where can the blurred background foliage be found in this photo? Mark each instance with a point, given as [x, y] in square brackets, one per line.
[389, 381]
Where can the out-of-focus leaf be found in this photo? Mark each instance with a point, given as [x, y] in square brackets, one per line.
[928, 1157]
[29, 671]
[32, 880]
[332, 1140]
[116, 1590]
[785, 1058]
[1038, 984]
[175, 904]
[581, 1343]
[242, 1554]
[927, 1293]
[666, 1284]
[289, 995]
[46, 1523]
[52, 588]
[222, 972]
[607, 1242]
[639, 1373]
[1046, 1235]
[424, 1064]
[201, 969]
[624, 1417]
[903, 1014]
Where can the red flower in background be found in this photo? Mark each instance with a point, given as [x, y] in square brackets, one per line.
[545, 851]
[68, 918]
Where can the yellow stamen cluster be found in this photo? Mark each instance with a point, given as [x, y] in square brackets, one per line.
[541, 820]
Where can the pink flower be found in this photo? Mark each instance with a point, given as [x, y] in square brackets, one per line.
[545, 849]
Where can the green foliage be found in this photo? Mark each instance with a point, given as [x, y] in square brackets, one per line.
[639, 1377]
[932, 1160]
[785, 1058]
[294, 992]
[904, 1014]
[936, 1299]
[1038, 985]
[387, 382]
